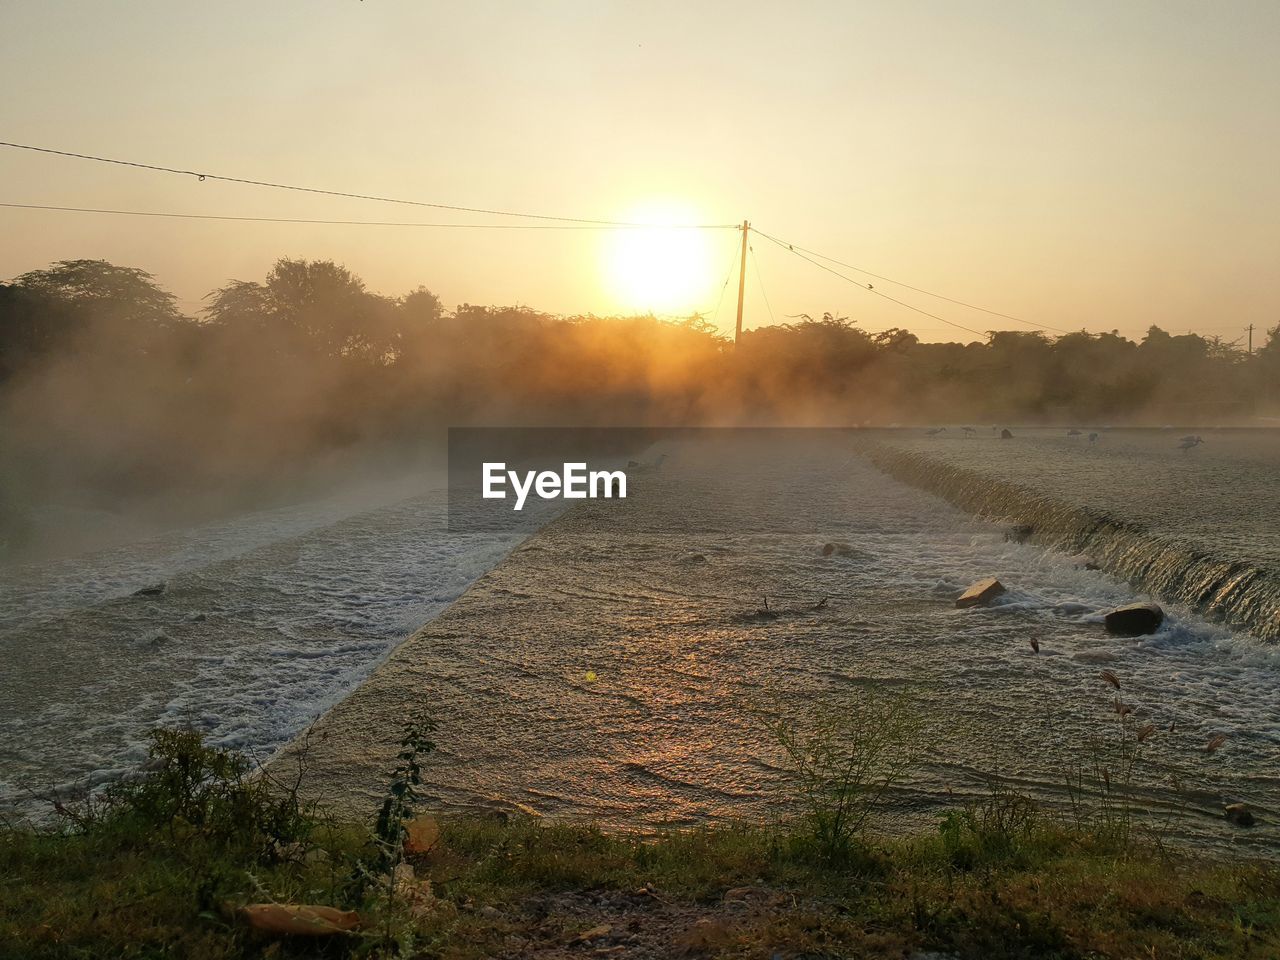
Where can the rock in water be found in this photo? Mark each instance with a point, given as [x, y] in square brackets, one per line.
[980, 593]
[1239, 814]
[1135, 620]
[154, 590]
[1006, 435]
[1020, 533]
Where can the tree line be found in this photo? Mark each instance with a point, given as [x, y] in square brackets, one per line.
[106, 385]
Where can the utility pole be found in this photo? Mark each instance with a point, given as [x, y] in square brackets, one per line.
[1250, 329]
[742, 282]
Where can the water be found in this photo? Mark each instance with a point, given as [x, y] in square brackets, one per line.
[615, 667]
[1200, 526]
[266, 620]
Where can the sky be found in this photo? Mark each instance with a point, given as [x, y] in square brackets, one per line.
[1080, 165]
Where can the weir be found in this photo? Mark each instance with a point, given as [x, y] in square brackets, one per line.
[1222, 588]
[619, 667]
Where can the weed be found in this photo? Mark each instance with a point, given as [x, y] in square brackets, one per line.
[402, 796]
[843, 759]
[995, 829]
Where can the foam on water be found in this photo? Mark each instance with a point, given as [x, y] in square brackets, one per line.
[265, 621]
[1200, 529]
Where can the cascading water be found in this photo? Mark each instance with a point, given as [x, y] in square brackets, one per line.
[1202, 577]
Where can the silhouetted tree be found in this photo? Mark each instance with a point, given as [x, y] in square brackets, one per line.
[121, 309]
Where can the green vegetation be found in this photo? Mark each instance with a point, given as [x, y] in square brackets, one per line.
[164, 865]
[843, 757]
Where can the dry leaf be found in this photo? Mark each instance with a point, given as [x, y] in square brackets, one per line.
[296, 919]
[1215, 743]
[595, 933]
[416, 894]
[1111, 678]
[421, 834]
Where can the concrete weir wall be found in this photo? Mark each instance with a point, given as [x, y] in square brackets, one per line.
[1223, 588]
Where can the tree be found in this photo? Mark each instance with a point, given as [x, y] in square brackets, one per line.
[130, 294]
[121, 309]
[308, 307]
[32, 328]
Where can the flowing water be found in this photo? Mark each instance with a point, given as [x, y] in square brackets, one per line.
[616, 665]
[264, 621]
[1199, 524]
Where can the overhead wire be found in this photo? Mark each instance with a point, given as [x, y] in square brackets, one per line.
[760, 281]
[867, 287]
[900, 283]
[342, 193]
[715, 319]
[352, 223]
[553, 222]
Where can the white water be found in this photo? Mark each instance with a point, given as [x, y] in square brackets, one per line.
[265, 621]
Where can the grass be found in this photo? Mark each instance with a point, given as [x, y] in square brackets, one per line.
[123, 891]
[163, 864]
[1061, 896]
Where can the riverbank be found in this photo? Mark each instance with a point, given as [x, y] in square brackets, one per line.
[181, 865]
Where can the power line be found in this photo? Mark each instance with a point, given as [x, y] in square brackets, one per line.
[755, 262]
[899, 283]
[715, 320]
[352, 223]
[867, 287]
[339, 193]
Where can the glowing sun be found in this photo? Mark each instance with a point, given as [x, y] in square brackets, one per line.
[662, 269]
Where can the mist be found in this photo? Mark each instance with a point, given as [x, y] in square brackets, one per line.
[120, 415]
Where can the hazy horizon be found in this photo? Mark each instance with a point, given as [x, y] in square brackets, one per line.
[1077, 166]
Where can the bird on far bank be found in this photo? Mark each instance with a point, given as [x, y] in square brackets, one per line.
[1189, 442]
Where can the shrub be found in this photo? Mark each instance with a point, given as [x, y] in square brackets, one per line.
[189, 791]
[843, 759]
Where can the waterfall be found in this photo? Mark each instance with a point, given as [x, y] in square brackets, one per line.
[1218, 587]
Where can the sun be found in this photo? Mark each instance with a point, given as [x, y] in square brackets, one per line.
[662, 269]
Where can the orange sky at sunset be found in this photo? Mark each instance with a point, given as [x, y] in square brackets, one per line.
[1089, 164]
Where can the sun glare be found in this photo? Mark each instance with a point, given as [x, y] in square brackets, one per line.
[663, 269]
